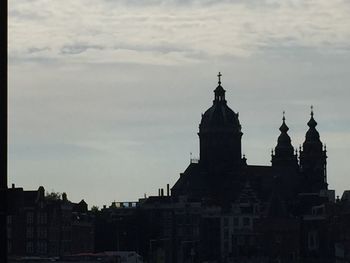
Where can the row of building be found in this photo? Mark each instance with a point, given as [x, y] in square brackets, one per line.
[164, 229]
[43, 225]
[221, 209]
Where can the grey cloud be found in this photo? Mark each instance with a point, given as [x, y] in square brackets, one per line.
[35, 49]
[162, 48]
[26, 15]
[78, 48]
[251, 3]
[179, 35]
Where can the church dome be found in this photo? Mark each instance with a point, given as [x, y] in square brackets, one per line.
[219, 115]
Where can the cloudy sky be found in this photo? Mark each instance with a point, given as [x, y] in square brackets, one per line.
[105, 97]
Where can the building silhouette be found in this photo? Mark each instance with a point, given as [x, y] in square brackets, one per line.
[221, 209]
[47, 225]
[222, 172]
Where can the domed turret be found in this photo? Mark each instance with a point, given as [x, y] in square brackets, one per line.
[284, 151]
[312, 138]
[220, 132]
[313, 158]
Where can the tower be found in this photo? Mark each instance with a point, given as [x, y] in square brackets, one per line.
[284, 152]
[313, 159]
[220, 134]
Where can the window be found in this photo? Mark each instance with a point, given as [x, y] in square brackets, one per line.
[252, 240]
[225, 221]
[41, 218]
[278, 239]
[240, 240]
[226, 247]
[235, 221]
[30, 232]
[246, 221]
[42, 247]
[29, 247]
[226, 234]
[42, 232]
[9, 246]
[30, 218]
[234, 240]
[313, 240]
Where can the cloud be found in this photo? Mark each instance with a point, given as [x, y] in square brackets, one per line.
[189, 30]
[78, 48]
[35, 49]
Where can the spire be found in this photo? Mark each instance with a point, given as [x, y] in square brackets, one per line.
[284, 128]
[219, 91]
[312, 137]
[284, 139]
[284, 150]
[312, 123]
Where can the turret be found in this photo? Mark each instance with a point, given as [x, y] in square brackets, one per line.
[220, 134]
[284, 152]
[313, 158]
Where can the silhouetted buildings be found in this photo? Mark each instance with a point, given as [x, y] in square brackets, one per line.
[221, 209]
[39, 225]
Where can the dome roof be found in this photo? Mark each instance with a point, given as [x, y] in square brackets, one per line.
[284, 146]
[312, 134]
[220, 115]
[312, 138]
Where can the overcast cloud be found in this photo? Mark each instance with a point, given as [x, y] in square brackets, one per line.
[105, 97]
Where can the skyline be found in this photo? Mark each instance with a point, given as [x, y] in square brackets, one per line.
[110, 94]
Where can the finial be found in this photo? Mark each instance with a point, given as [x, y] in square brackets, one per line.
[284, 128]
[219, 76]
[312, 110]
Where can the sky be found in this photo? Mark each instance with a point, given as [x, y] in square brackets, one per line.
[105, 97]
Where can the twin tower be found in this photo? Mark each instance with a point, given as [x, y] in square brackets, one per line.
[220, 146]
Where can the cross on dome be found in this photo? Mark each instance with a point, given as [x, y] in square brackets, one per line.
[219, 77]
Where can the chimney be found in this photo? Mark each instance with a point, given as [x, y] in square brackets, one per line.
[167, 190]
[13, 186]
[162, 192]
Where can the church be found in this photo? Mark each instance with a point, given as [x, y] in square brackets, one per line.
[222, 172]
